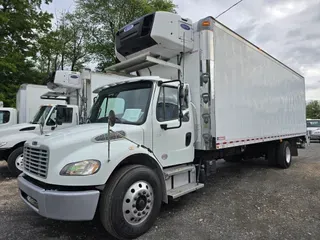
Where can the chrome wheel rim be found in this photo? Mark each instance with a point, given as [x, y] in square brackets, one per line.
[138, 202]
[19, 162]
[288, 155]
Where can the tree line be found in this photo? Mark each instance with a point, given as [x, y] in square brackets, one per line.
[31, 46]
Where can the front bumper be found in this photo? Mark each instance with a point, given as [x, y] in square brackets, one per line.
[59, 205]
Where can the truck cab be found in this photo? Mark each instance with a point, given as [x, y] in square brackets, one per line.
[313, 128]
[152, 128]
[8, 116]
[48, 118]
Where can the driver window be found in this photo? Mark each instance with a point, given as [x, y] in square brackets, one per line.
[64, 114]
[4, 117]
[167, 105]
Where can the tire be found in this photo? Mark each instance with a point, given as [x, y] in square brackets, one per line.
[13, 157]
[284, 156]
[119, 206]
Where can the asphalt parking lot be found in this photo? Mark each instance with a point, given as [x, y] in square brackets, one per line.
[242, 201]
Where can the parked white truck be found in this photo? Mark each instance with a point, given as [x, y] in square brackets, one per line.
[28, 102]
[313, 128]
[203, 93]
[66, 87]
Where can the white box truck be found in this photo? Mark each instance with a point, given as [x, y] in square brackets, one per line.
[62, 106]
[203, 93]
[28, 102]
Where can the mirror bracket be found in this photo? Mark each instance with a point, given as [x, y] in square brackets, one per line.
[164, 126]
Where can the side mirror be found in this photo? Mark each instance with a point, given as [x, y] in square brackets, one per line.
[94, 99]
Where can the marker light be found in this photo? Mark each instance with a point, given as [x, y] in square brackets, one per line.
[206, 23]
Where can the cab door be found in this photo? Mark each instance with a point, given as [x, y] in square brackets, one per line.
[61, 117]
[173, 141]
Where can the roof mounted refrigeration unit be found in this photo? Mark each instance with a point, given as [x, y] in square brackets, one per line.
[151, 40]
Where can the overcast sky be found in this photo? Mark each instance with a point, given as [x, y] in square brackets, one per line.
[287, 29]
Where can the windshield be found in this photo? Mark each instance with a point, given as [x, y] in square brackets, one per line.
[130, 102]
[43, 112]
[313, 123]
[4, 116]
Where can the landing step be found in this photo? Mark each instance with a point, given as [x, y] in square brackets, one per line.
[177, 170]
[185, 189]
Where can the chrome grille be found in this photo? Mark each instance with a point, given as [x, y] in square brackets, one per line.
[35, 161]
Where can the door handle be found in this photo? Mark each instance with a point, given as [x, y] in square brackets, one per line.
[188, 139]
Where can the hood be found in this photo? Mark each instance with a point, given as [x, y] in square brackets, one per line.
[83, 134]
[12, 129]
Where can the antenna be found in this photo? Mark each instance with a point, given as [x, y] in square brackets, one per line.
[229, 8]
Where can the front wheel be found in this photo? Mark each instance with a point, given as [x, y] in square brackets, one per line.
[130, 202]
[15, 161]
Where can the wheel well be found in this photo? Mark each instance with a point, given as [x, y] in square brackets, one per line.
[20, 144]
[144, 159]
[7, 153]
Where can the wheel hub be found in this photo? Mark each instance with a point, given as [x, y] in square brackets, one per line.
[141, 203]
[19, 162]
[137, 202]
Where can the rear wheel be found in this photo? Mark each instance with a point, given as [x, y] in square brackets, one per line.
[284, 156]
[15, 161]
[131, 202]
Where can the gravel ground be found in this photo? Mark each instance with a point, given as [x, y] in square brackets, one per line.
[242, 201]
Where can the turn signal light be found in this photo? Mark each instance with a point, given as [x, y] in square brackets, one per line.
[206, 23]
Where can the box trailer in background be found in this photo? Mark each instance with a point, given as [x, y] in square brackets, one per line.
[28, 101]
[203, 94]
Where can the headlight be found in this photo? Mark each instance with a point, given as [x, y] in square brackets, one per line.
[82, 168]
[2, 144]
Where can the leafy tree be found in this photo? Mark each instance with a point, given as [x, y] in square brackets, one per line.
[313, 110]
[21, 23]
[77, 52]
[103, 18]
[65, 46]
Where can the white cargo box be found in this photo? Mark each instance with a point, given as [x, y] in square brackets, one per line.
[28, 101]
[253, 97]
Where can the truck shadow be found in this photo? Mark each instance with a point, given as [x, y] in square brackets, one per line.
[73, 230]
